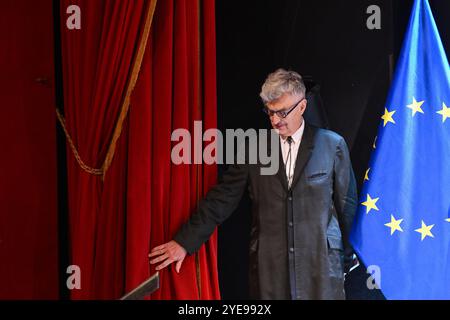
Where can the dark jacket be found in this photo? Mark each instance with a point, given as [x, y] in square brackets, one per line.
[299, 247]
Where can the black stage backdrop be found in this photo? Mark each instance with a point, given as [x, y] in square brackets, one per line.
[329, 43]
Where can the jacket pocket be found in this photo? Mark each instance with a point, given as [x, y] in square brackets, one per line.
[316, 175]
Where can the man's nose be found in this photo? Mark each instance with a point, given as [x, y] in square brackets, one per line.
[275, 118]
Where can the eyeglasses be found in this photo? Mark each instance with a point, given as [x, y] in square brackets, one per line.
[282, 113]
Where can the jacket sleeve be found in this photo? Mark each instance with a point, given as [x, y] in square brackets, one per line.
[345, 197]
[215, 208]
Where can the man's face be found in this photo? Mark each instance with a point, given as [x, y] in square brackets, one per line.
[287, 126]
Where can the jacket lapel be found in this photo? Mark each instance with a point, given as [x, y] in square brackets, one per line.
[304, 153]
[281, 174]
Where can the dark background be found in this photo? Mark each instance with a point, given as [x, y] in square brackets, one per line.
[326, 42]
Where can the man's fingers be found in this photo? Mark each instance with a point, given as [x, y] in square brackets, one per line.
[178, 266]
[156, 253]
[161, 258]
[168, 253]
[163, 265]
[159, 248]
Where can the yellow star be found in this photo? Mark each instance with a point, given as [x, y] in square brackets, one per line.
[425, 231]
[394, 225]
[370, 204]
[375, 142]
[387, 117]
[366, 177]
[448, 220]
[445, 112]
[415, 106]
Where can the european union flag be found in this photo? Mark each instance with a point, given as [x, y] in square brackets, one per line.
[402, 225]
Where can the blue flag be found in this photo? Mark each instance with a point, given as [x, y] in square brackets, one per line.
[402, 227]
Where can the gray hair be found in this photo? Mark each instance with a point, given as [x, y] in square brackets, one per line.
[281, 82]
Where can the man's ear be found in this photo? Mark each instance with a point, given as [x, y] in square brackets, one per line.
[303, 106]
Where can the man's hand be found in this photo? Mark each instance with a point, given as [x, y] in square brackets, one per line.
[168, 253]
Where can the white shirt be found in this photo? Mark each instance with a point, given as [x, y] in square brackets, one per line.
[295, 145]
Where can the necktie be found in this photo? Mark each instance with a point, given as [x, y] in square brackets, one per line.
[288, 164]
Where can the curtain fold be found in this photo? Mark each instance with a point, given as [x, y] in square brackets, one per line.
[143, 198]
[209, 96]
[97, 62]
[175, 89]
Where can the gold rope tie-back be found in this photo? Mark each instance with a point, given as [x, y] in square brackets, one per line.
[90, 170]
[125, 106]
[131, 86]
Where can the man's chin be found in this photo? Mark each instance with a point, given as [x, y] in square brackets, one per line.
[281, 131]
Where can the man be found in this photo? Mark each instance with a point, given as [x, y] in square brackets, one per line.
[302, 215]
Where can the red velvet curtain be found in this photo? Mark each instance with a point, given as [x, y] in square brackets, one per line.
[177, 86]
[28, 194]
[143, 198]
[97, 62]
